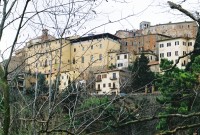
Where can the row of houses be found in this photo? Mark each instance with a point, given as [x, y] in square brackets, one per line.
[101, 61]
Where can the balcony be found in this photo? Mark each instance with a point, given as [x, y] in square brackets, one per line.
[113, 88]
[113, 78]
[98, 80]
[98, 89]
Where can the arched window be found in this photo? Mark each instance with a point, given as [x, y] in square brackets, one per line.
[74, 61]
[45, 63]
[82, 59]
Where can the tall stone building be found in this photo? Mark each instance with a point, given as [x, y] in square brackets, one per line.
[178, 29]
[72, 57]
[141, 43]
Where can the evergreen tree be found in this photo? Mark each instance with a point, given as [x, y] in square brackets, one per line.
[196, 51]
[141, 73]
[43, 89]
[177, 89]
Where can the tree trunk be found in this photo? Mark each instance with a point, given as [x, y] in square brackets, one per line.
[6, 94]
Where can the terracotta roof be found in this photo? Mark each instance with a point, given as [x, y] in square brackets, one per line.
[153, 63]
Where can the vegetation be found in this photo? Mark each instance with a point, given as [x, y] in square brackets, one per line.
[45, 110]
[142, 76]
[177, 89]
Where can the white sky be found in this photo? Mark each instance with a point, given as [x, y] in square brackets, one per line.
[154, 11]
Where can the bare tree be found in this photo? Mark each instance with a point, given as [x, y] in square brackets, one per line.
[45, 111]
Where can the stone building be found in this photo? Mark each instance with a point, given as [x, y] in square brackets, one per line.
[178, 29]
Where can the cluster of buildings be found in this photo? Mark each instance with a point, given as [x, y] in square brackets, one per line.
[100, 61]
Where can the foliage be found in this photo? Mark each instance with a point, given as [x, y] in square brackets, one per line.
[196, 51]
[42, 86]
[141, 73]
[177, 92]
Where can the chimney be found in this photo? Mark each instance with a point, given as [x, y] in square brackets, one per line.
[45, 32]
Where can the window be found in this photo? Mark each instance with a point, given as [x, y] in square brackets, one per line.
[74, 49]
[36, 64]
[45, 63]
[92, 58]
[176, 42]
[91, 47]
[161, 55]
[176, 53]
[73, 61]
[65, 83]
[104, 85]
[184, 43]
[100, 56]
[82, 59]
[184, 52]
[100, 46]
[99, 87]
[114, 75]
[109, 85]
[161, 45]
[83, 48]
[125, 56]
[126, 43]
[99, 77]
[114, 85]
[62, 77]
[168, 54]
[104, 76]
[184, 63]
[189, 43]
[120, 65]
[168, 44]
[118, 57]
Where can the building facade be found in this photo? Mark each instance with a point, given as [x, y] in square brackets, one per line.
[95, 52]
[178, 29]
[71, 57]
[122, 60]
[174, 48]
[141, 43]
[110, 82]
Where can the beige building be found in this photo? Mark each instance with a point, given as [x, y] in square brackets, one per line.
[110, 82]
[178, 29]
[172, 49]
[71, 57]
[96, 52]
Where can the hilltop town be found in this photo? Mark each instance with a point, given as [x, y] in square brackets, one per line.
[100, 62]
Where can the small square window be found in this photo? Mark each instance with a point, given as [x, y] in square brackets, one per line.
[125, 56]
[100, 56]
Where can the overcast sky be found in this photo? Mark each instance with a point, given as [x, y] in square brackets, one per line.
[154, 11]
